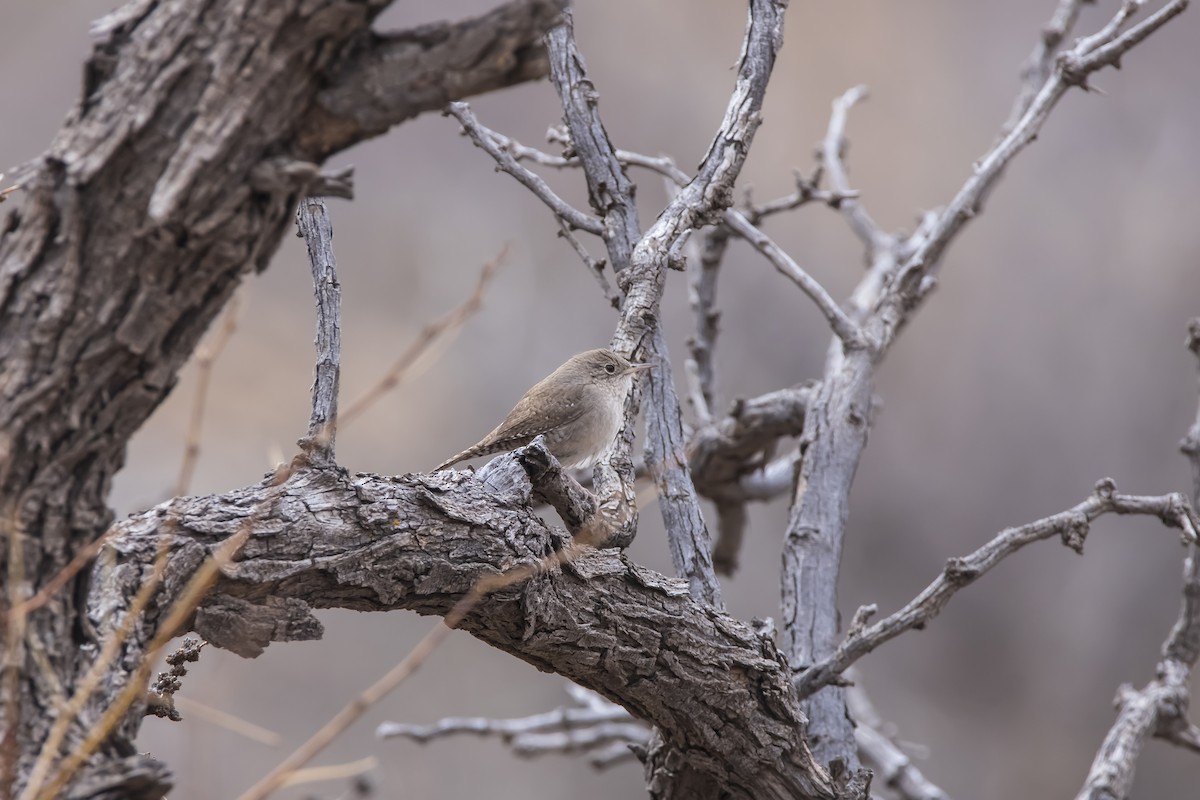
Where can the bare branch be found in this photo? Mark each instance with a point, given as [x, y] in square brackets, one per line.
[744, 440]
[1072, 68]
[312, 220]
[591, 725]
[845, 328]
[714, 684]
[595, 266]
[703, 269]
[839, 419]
[832, 151]
[393, 77]
[1159, 708]
[640, 264]
[891, 765]
[482, 138]
[1071, 525]
[1040, 63]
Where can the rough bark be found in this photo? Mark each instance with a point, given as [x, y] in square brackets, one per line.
[199, 126]
[717, 690]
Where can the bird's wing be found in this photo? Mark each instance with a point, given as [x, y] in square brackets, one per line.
[528, 419]
[538, 412]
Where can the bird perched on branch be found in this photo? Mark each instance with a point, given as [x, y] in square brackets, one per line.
[579, 408]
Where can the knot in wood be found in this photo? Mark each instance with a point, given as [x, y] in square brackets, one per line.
[1074, 531]
[1105, 488]
[959, 572]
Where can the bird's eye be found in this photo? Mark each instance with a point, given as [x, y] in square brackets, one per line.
[610, 368]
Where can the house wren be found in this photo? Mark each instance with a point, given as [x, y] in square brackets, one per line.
[579, 408]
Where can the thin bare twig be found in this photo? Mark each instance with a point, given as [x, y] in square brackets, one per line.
[206, 355]
[916, 277]
[531, 181]
[448, 325]
[595, 266]
[892, 765]
[1071, 525]
[845, 328]
[1040, 63]
[332, 772]
[230, 722]
[1160, 707]
[832, 152]
[590, 725]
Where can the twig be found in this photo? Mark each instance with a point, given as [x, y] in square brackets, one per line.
[1041, 61]
[531, 181]
[844, 327]
[446, 325]
[312, 221]
[592, 725]
[332, 772]
[832, 151]
[1160, 707]
[1071, 525]
[894, 767]
[836, 430]
[595, 266]
[1072, 68]
[230, 722]
[808, 190]
[205, 357]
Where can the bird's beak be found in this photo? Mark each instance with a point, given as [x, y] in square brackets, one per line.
[636, 368]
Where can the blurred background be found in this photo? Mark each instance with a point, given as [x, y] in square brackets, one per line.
[1051, 356]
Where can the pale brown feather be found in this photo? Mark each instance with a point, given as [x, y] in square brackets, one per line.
[537, 413]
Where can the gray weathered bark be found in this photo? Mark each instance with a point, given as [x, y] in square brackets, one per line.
[200, 125]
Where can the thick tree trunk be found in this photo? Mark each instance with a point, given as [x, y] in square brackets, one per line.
[200, 125]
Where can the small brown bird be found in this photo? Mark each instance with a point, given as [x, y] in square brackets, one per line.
[579, 408]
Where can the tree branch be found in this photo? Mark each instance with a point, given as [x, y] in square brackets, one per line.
[312, 220]
[709, 682]
[1160, 707]
[840, 415]
[832, 151]
[479, 135]
[591, 725]
[639, 263]
[891, 765]
[209, 146]
[1071, 525]
[390, 78]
